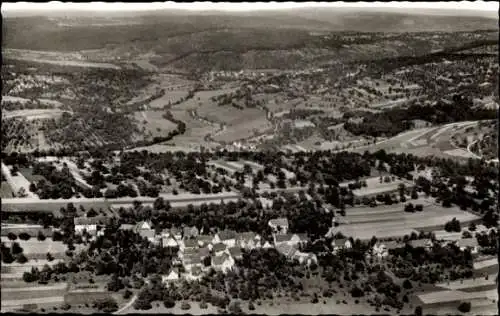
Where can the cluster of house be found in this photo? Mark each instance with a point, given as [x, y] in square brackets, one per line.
[199, 252]
[381, 249]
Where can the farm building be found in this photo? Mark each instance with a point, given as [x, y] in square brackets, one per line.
[189, 232]
[89, 224]
[342, 243]
[279, 225]
[421, 243]
[227, 237]
[173, 276]
[223, 263]
[291, 239]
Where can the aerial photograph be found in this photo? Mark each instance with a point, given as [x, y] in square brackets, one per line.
[250, 158]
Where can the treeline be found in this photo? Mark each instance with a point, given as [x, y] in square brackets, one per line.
[397, 120]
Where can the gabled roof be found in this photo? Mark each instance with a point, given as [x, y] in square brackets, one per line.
[283, 238]
[246, 236]
[235, 251]
[420, 243]
[467, 242]
[286, 249]
[339, 242]
[98, 220]
[192, 259]
[226, 234]
[219, 247]
[204, 238]
[190, 243]
[190, 231]
[283, 222]
[170, 242]
[219, 260]
[196, 270]
[173, 275]
[141, 224]
[393, 244]
[147, 233]
[127, 227]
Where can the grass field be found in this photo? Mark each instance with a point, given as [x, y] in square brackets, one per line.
[33, 246]
[6, 190]
[32, 230]
[154, 124]
[34, 114]
[391, 221]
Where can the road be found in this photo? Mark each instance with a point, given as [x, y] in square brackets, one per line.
[132, 300]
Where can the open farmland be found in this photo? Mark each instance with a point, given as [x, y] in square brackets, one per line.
[36, 249]
[153, 123]
[15, 99]
[392, 221]
[34, 114]
[6, 190]
[31, 230]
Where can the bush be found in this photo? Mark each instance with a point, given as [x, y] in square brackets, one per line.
[357, 292]
[407, 284]
[24, 236]
[464, 307]
[41, 236]
[418, 311]
[16, 249]
[419, 207]
[22, 259]
[185, 306]
[127, 294]
[106, 305]
[251, 306]
[11, 236]
[169, 302]
[203, 305]
[235, 308]
[65, 307]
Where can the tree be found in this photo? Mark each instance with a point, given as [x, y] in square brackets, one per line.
[409, 208]
[11, 236]
[169, 302]
[418, 311]
[41, 236]
[464, 307]
[235, 308]
[16, 249]
[407, 284]
[185, 306]
[419, 207]
[22, 258]
[106, 305]
[24, 236]
[50, 257]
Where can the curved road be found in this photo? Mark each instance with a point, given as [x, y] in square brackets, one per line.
[132, 300]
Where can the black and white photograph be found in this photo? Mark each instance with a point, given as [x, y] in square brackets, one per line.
[208, 158]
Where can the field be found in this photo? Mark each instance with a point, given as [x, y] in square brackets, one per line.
[32, 230]
[5, 190]
[17, 182]
[375, 187]
[153, 124]
[391, 221]
[8, 98]
[35, 249]
[34, 114]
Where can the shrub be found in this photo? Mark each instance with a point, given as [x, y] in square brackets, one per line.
[235, 308]
[41, 236]
[251, 306]
[24, 236]
[127, 294]
[185, 306]
[169, 302]
[418, 311]
[203, 305]
[11, 236]
[65, 307]
[407, 284]
[106, 305]
[464, 307]
[22, 258]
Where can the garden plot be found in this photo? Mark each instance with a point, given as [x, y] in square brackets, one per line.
[253, 165]
[20, 268]
[484, 264]
[225, 165]
[202, 102]
[31, 230]
[33, 248]
[449, 236]
[6, 190]
[456, 296]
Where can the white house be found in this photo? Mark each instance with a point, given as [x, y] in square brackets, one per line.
[267, 245]
[169, 242]
[227, 237]
[279, 225]
[173, 276]
[468, 243]
[223, 263]
[342, 243]
[89, 224]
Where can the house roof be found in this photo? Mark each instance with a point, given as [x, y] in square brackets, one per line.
[419, 243]
[192, 258]
[283, 238]
[204, 252]
[196, 270]
[283, 222]
[190, 231]
[127, 227]
[139, 226]
[393, 244]
[339, 242]
[147, 233]
[98, 220]
[247, 236]
[219, 247]
[169, 241]
[204, 238]
[173, 275]
[286, 249]
[303, 237]
[227, 234]
[235, 251]
[218, 260]
[467, 242]
[190, 243]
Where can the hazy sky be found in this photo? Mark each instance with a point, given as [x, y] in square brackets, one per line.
[244, 6]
